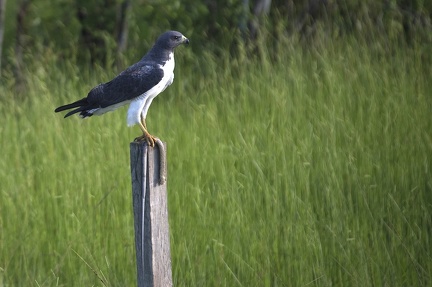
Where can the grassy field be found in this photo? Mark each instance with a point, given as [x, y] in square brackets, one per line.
[311, 171]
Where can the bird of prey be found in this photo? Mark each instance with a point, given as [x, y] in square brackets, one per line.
[138, 85]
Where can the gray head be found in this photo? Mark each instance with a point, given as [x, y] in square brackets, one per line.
[171, 39]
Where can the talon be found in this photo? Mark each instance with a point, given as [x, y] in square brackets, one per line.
[148, 138]
[139, 139]
[146, 135]
[151, 140]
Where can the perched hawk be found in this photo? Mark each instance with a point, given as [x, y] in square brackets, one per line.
[138, 85]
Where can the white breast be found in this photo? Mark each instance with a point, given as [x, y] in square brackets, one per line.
[141, 104]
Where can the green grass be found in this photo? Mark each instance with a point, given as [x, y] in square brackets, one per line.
[315, 171]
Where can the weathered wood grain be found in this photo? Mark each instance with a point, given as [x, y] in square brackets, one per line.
[149, 192]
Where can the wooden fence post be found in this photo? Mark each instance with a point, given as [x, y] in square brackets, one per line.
[149, 192]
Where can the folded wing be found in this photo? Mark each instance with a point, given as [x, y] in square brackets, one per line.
[128, 85]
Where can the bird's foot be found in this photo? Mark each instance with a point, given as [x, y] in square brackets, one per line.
[151, 141]
[148, 138]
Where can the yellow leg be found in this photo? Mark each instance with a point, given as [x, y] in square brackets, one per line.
[151, 140]
[146, 135]
[143, 121]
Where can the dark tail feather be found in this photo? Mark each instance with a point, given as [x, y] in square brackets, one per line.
[79, 103]
[80, 109]
[82, 105]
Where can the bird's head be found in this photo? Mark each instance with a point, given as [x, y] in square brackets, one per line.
[171, 39]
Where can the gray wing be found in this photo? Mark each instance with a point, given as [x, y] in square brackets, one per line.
[131, 83]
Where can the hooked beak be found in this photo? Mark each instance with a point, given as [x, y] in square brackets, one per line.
[185, 40]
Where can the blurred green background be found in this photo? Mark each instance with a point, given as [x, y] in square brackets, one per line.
[299, 142]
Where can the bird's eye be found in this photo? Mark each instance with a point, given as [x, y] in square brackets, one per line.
[176, 37]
